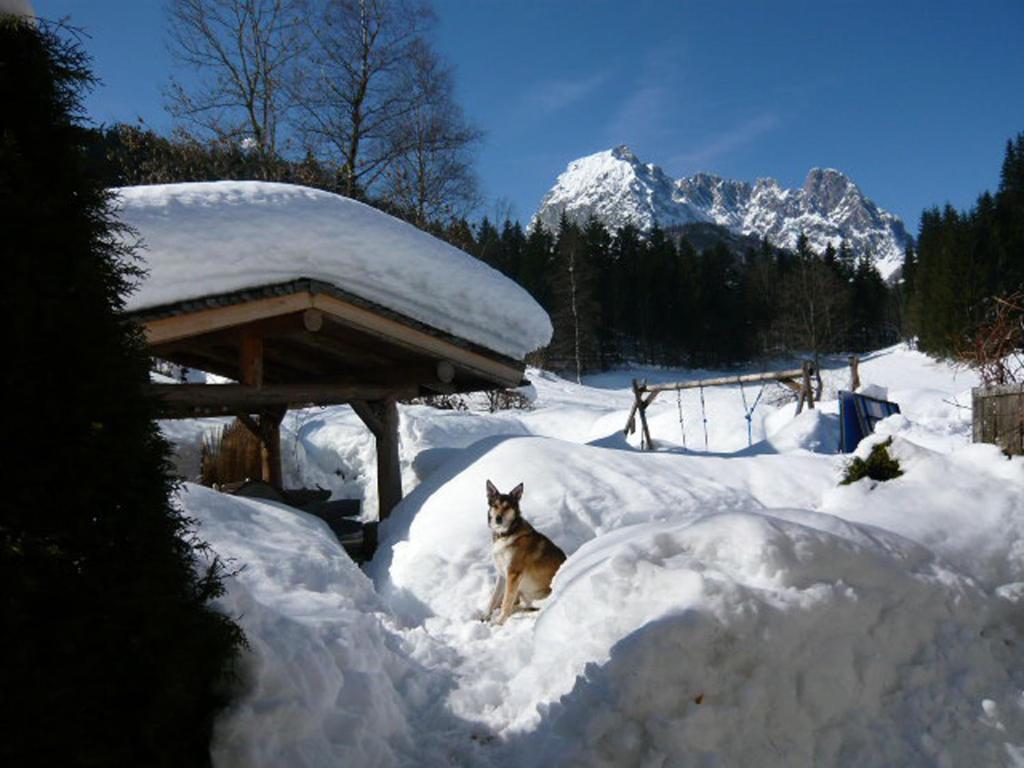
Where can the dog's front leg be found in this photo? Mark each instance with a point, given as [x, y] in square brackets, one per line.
[508, 605]
[499, 589]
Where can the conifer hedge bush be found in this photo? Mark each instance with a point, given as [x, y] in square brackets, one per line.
[112, 654]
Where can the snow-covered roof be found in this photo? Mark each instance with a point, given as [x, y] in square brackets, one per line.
[210, 238]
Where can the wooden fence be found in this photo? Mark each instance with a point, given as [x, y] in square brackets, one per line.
[999, 416]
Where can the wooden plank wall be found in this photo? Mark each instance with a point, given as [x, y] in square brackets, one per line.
[999, 416]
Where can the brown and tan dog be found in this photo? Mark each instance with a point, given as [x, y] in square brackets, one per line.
[525, 558]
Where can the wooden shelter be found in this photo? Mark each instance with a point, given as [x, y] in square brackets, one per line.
[308, 343]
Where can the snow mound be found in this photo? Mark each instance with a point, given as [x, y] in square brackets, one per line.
[324, 682]
[696, 606]
[778, 639]
[209, 238]
[435, 553]
[965, 505]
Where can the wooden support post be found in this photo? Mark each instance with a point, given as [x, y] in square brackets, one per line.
[270, 445]
[641, 407]
[250, 367]
[631, 419]
[854, 373]
[808, 391]
[250, 360]
[381, 417]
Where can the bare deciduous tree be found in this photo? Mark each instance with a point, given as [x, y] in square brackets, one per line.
[815, 320]
[354, 94]
[995, 349]
[355, 80]
[241, 52]
[432, 174]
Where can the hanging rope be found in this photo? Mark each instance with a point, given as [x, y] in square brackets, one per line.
[748, 413]
[679, 405]
[704, 416]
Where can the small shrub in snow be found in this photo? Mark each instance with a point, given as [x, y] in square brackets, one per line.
[879, 465]
[442, 402]
[507, 399]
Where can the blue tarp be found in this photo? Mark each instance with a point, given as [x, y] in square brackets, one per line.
[858, 415]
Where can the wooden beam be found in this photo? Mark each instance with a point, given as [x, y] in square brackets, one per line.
[385, 329]
[313, 320]
[249, 423]
[792, 385]
[415, 340]
[381, 417]
[364, 353]
[217, 318]
[200, 361]
[186, 401]
[445, 372]
[725, 380]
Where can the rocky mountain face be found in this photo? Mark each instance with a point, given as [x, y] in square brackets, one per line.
[617, 188]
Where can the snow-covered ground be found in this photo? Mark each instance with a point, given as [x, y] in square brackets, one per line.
[726, 607]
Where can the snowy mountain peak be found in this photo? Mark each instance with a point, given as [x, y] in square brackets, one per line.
[623, 152]
[617, 188]
[827, 188]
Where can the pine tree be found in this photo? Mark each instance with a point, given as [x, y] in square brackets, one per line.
[1009, 216]
[816, 302]
[598, 243]
[488, 245]
[964, 259]
[112, 653]
[723, 323]
[627, 247]
[534, 267]
[574, 314]
[513, 243]
[868, 302]
[685, 333]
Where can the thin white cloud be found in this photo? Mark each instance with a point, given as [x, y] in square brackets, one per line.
[644, 116]
[725, 143]
[557, 94]
[640, 117]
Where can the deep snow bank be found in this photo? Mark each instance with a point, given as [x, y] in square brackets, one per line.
[435, 558]
[967, 505]
[808, 639]
[877, 629]
[750, 639]
[325, 681]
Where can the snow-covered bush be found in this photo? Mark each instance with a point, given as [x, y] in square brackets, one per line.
[878, 466]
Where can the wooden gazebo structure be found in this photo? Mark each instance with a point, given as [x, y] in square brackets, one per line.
[304, 343]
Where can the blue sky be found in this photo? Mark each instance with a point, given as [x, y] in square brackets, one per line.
[914, 100]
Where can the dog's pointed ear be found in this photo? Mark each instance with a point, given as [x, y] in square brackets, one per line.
[517, 493]
[492, 492]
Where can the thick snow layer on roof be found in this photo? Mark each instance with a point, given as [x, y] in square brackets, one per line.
[217, 237]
